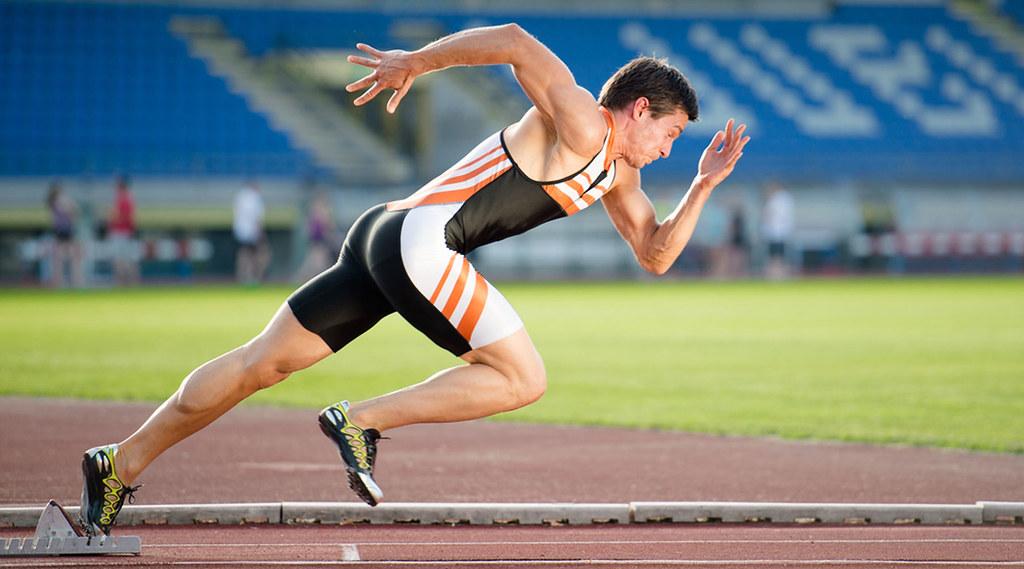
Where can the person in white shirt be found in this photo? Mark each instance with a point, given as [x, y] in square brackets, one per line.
[253, 255]
[776, 229]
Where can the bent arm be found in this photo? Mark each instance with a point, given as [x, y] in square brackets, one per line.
[658, 244]
[655, 244]
[567, 108]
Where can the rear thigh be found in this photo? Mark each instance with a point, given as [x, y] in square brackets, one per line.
[340, 303]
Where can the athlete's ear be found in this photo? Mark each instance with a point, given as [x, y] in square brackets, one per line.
[640, 106]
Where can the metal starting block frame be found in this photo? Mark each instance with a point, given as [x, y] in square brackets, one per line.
[56, 534]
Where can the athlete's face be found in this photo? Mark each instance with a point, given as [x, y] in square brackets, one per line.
[651, 138]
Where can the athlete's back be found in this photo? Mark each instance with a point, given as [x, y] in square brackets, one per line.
[491, 198]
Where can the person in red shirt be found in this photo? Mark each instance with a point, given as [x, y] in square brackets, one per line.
[121, 233]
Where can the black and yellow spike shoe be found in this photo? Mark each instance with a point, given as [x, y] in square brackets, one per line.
[103, 493]
[358, 449]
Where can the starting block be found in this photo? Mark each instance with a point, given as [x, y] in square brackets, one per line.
[56, 534]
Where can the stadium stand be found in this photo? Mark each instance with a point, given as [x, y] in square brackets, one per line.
[919, 101]
[889, 93]
[93, 88]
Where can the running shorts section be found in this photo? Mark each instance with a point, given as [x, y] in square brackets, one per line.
[399, 262]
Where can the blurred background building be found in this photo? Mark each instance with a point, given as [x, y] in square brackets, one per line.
[895, 127]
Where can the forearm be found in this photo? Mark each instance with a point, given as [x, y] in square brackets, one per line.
[669, 238]
[493, 45]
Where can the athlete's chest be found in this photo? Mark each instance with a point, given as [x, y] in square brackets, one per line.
[582, 189]
[537, 162]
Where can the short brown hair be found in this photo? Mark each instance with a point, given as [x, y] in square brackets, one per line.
[665, 87]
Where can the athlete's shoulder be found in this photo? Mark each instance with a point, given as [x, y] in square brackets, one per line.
[588, 128]
[585, 138]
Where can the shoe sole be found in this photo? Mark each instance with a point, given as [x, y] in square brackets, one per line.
[91, 530]
[360, 482]
[364, 486]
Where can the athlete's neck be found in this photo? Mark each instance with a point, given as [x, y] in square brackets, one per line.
[618, 121]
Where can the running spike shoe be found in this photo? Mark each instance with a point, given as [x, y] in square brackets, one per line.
[103, 493]
[358, 449]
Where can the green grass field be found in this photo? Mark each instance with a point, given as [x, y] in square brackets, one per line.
[921, 362]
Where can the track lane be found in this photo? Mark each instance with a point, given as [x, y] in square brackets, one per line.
[528, 546]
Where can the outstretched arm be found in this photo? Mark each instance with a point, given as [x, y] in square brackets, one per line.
[567, 108]
[657, 245]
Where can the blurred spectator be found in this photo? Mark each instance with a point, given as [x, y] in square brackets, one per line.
[739, 243]
[66, 251]
[320, 232]
[121, 234]
[253, 254]
[729, 260]
[777, 229]
[878, 214]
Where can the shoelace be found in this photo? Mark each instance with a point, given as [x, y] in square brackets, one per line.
[129, 493]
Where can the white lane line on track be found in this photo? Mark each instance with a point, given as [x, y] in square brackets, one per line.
[593, 542]
[349, 553]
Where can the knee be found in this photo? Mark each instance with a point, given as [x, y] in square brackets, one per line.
[528, 380]
[261, 371]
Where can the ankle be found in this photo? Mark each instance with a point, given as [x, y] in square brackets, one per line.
[362, 418]
[125, 468]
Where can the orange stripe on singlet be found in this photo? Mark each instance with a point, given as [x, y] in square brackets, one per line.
[470, 175]
[460, 286]
[444, 277]
[475, 308]
[557, 195]
[450, 196]
[576, 187]
[478, 158]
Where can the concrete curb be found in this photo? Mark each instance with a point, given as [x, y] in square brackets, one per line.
[1002, 512]
[454, 513]
[807, 513]
[546, 514]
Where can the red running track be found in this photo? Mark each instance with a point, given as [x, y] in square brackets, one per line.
[261, 454]
[653, 545]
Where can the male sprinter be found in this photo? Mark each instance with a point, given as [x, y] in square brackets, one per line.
[408, 256]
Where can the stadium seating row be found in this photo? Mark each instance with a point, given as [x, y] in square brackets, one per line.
[96, 88]
[873, 93]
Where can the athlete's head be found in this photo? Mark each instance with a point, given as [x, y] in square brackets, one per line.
[659, 101]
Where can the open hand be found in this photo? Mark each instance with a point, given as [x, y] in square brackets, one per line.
[394, 69]
[721, 155]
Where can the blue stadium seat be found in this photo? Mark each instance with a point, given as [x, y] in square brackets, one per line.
[99, 88]
[886, 93]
